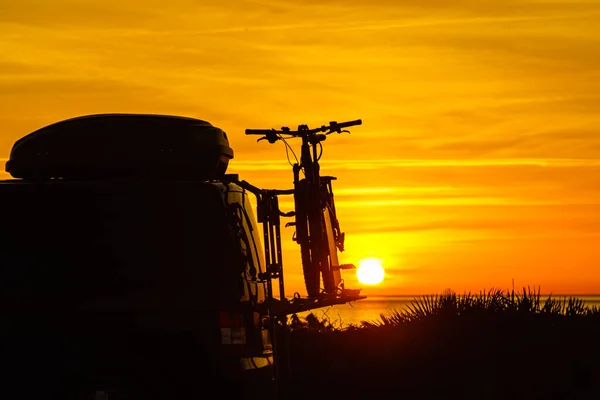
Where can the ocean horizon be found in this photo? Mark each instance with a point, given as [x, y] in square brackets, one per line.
[371, 308]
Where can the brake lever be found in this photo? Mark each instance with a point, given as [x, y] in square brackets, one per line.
[272, 136]
[337, 131]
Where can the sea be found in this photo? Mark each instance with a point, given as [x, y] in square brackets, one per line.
[371, 308]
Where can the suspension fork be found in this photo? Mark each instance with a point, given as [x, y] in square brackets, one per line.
[329, 201]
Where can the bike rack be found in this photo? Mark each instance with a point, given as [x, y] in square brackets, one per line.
[269, 215]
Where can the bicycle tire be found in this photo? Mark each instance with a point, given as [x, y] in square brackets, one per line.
[319, 252]
[332, 277]
[312, 278]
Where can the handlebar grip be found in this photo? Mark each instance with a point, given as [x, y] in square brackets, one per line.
[349, 123]
[258, 131]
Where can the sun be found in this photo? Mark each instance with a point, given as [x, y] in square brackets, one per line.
[370, 271]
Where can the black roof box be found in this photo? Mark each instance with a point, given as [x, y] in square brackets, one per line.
[107, 146]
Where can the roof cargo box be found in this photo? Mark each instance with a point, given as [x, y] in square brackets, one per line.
[108, 146]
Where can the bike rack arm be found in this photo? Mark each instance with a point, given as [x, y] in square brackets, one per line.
[299, 305]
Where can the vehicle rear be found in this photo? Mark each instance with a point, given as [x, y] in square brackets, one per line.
[118, 283]
[141, 286]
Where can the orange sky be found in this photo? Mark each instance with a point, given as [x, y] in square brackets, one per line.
[478, 160]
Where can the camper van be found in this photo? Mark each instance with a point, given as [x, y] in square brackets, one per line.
[131, 267]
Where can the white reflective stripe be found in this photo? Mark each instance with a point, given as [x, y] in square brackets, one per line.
[225, 335]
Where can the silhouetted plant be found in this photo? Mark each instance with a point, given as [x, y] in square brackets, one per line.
[575, 307]
[312, 323]
[529, 302]
[553, 306]
[466, 331]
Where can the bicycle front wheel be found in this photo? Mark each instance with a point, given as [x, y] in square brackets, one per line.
[310, 267]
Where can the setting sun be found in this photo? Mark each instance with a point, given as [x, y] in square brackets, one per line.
[370, 271]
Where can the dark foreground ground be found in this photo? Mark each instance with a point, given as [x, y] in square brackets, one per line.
[507, 348]
[491, 346]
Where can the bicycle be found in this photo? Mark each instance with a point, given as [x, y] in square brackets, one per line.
[317, 227]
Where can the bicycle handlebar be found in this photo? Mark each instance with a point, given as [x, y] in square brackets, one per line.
[303, 129]
[259, 131]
